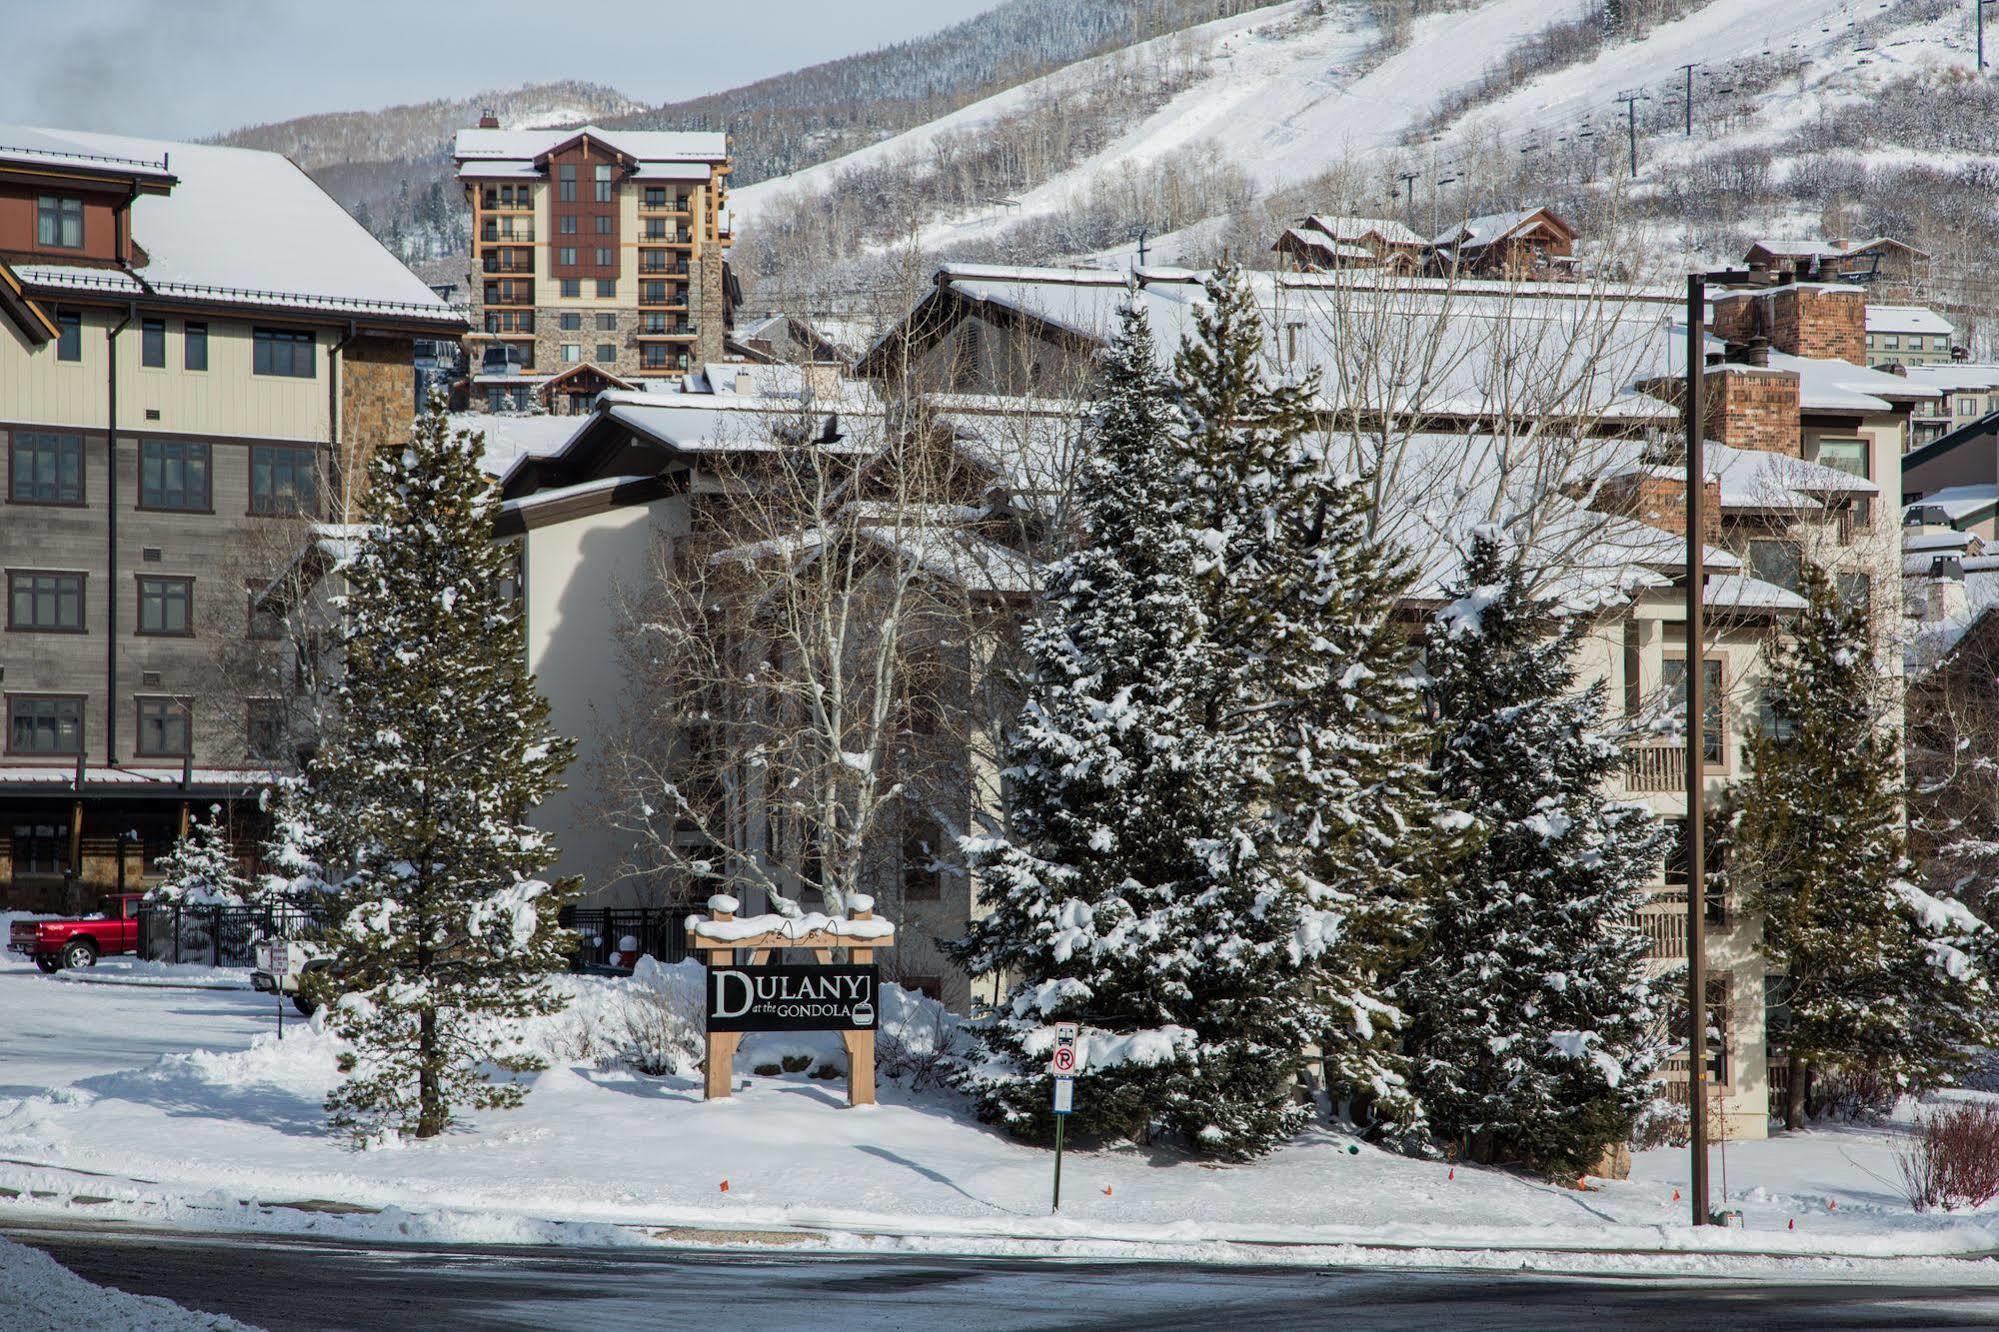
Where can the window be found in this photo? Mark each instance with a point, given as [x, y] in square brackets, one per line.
[571, 321]
[604, 185]
[1675, 674]
[166, 607]
[45, 468]
[173, 474]
[59, 222]
[163, 729]
[572, 352]
[51, 601]
[567, 224]
[652, 292]
[603, 224]
[655, 228]
[1776, 562]
[572, 286]
[264, 728]
[38, 850]
[607, 323]
[922, 871]
[44, 724]
[655, 196]
[1855, 589]
[153, 344]
[652, 357]
[607, 351]
[1850, 456]
[1892, 342]
[566, 254]
[284, 479]
[283, 352]
[1941, 342]
[565, 183]
[265, 625]
[69, 335]
[607, 287]
[194, 345]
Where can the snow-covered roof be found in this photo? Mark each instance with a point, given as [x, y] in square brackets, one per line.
[1958, 502]
[1956, 375]
[1825, 384]
[1475, 233]
[1328, 247]
[31, 147]
[1745, 593]
[963, 557]
[1491, 347]
[1932, 541]
[242, 227]
[511, 438]
[487, 145]
[1798, 247]
[1360, 228]
[1906, 319]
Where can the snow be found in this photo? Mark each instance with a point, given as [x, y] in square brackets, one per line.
[511, 438]
[253, 223]
[1906, 319]
[199, 1117]
[38, 1294]
[1959, 502]
[485, 145]
[790, 927]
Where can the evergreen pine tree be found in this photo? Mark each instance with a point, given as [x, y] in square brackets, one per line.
[1534, 1026]
[294, 850]
[439, 751]
[201, 870]
[1880, 980]
[1310, 683]
[1114, 892]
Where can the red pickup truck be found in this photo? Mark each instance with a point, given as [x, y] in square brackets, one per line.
[55, 944]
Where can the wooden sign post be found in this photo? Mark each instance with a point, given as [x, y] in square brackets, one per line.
[826, 997]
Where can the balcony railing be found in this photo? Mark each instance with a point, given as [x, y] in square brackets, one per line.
[1652, 769]
[506, 263]
[1663, 919]
[521, 234]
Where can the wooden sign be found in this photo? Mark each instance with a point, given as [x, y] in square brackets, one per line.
[782, 998]
[720, 935]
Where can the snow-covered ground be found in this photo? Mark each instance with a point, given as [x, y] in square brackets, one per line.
[180, 1107]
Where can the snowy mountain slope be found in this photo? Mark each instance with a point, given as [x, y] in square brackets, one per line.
[1285, 94]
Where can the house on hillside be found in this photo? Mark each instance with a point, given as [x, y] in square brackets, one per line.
[1882, 259]
[1907, 335]
[787, 339]
[1323, 242]
[199, 351]
[1530, 243]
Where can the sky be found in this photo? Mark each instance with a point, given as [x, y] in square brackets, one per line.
[184, 69]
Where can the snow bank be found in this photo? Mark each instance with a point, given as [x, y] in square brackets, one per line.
[38, 1294]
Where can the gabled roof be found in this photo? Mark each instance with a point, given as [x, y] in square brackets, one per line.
[1360, 228]
[530, 146]
[1476, 233]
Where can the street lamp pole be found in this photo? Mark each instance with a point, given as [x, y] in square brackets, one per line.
[1696, 732]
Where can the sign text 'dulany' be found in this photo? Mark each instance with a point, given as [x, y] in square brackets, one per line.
[791, 998]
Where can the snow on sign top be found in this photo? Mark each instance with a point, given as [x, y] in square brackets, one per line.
[244, 222]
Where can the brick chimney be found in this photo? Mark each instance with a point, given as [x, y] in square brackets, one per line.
[1824, 322]
[1751, 407]
[1659, 500]
[488, 120]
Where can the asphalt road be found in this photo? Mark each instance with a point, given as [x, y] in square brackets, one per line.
[285, 1284]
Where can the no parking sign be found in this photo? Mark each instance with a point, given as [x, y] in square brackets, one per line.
[1063, 1063]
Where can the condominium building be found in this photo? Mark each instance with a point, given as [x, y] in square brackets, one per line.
[598, 260]
[199, 350]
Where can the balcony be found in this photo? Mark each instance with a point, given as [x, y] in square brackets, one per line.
[506, 263]
[1655, 769]
[1663, 921]
[520, 201]
[518, 234]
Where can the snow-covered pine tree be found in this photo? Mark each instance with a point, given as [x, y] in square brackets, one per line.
[294, 872]
[439, 749]
[1880, 980]
[201, 870]
[1534, 1028]
[1311, 685]
[1110, 892]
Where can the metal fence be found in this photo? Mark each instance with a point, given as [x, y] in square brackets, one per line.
[220, 936]
[659, 932]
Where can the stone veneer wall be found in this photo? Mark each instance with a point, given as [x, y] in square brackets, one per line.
[377, 399]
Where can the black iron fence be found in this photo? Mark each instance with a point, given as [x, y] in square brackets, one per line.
[221, 936]
[659, 932]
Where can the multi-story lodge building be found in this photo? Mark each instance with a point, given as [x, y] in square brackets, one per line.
[198, 352]
[598, 260]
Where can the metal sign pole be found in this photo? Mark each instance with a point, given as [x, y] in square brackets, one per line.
[1063, 1061]
[1060, 1120]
